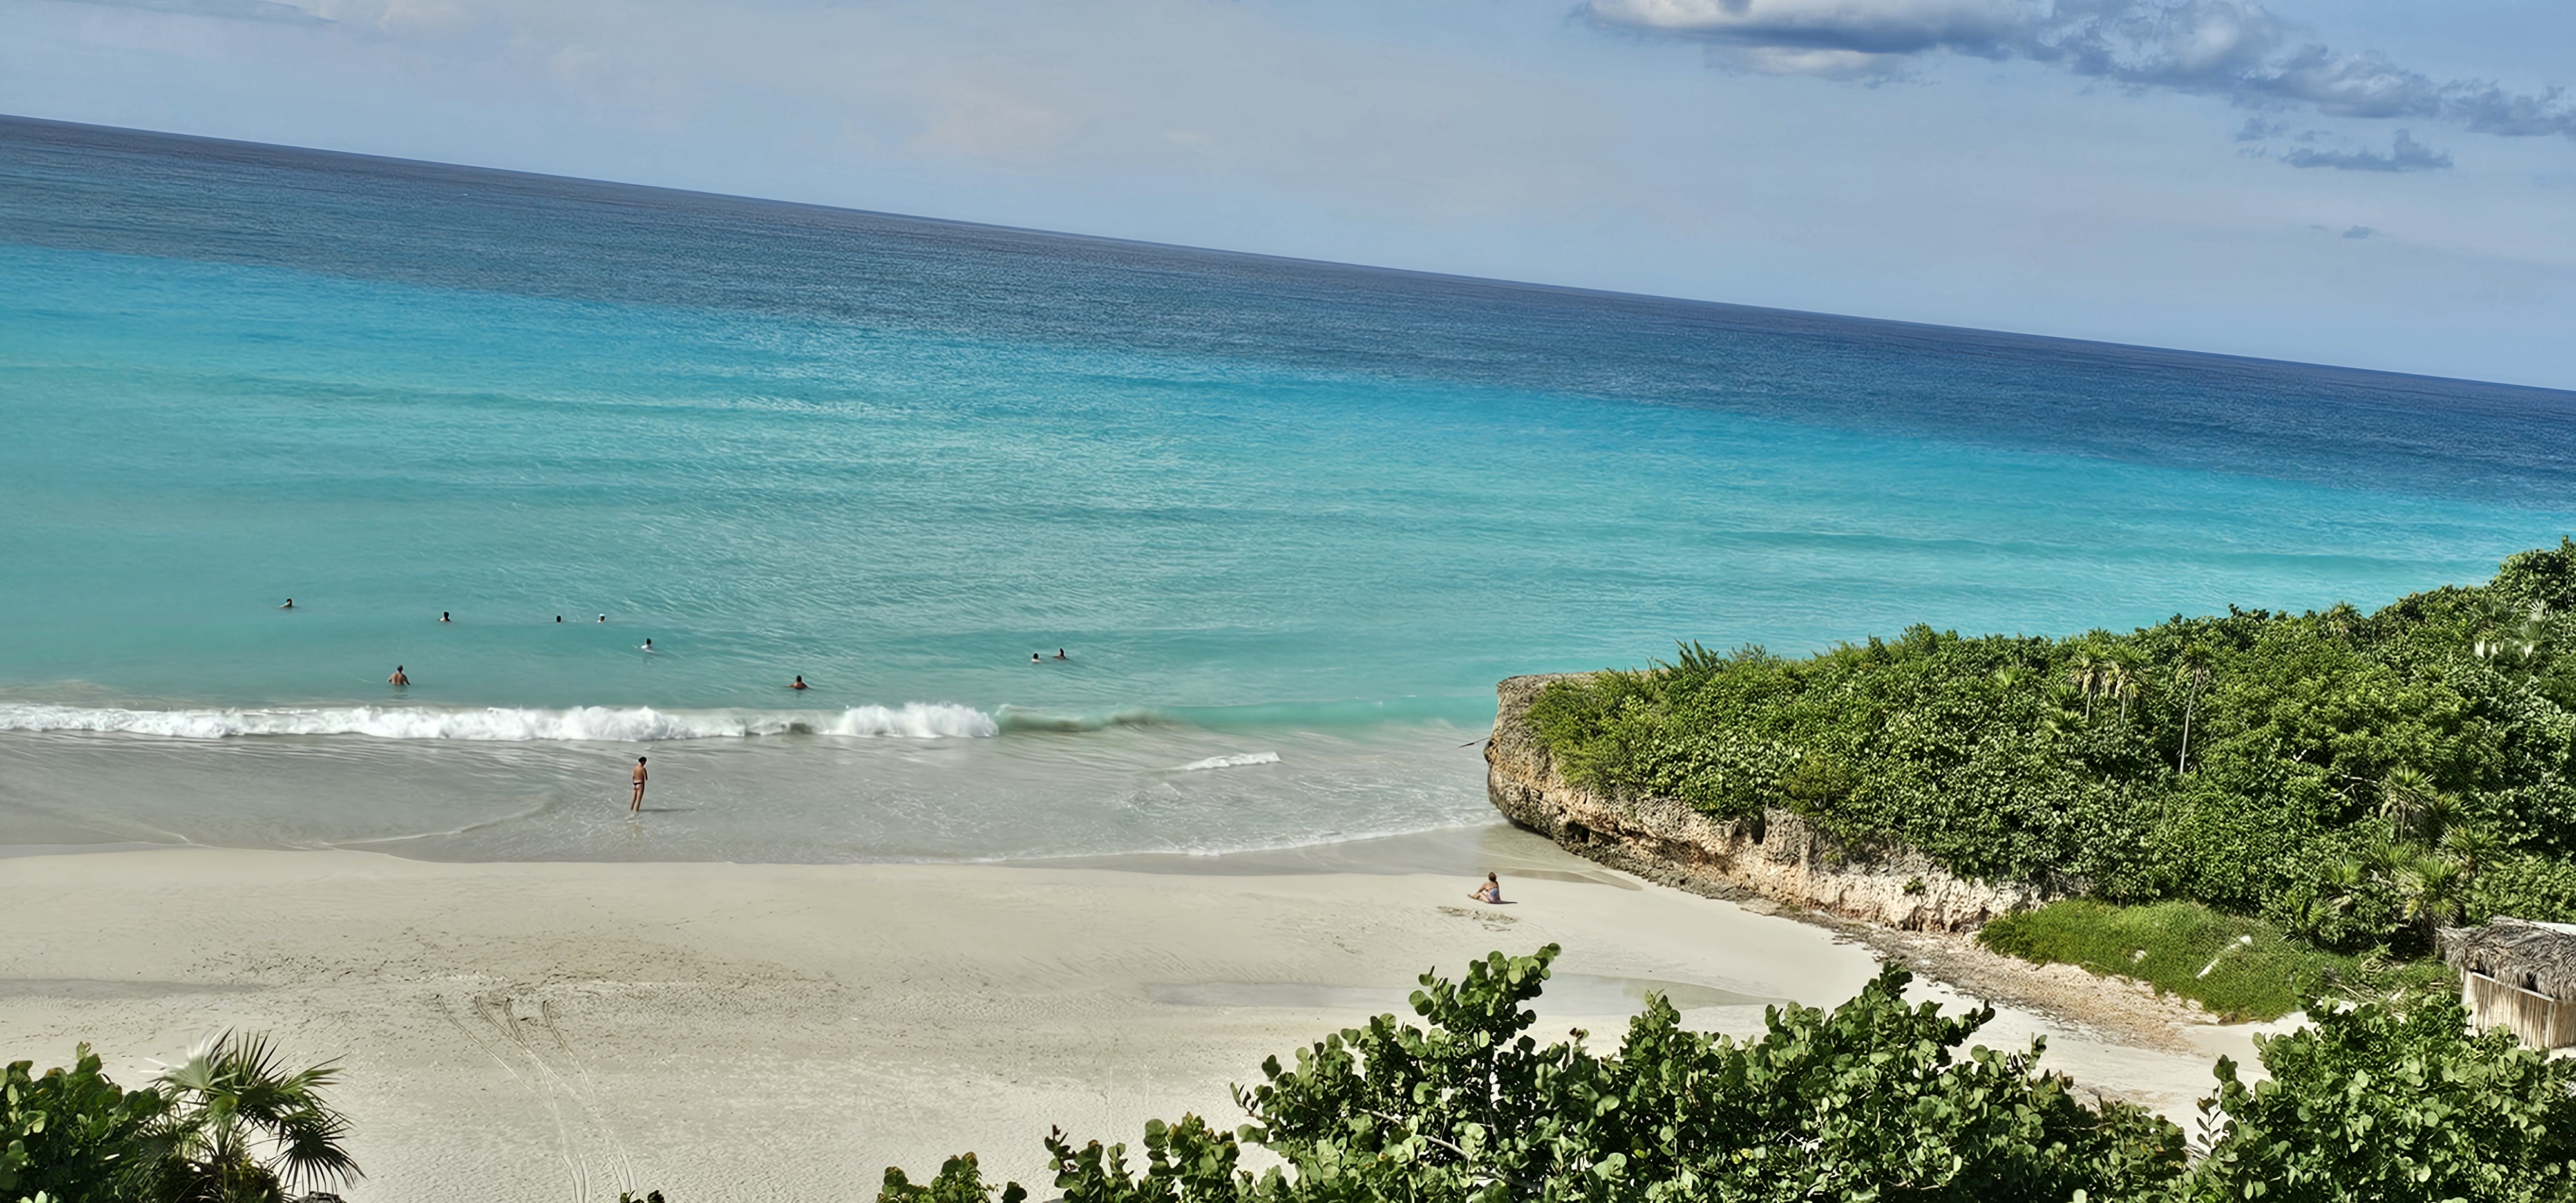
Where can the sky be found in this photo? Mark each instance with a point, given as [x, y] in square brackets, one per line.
[2378, 183]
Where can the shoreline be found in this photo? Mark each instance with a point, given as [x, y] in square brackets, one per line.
[724, 1031]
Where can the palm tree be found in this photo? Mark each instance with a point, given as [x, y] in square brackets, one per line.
[2436, 892]
[2191, 675]
[2433, 819]
[2404, 795]
[2338, 884]
[240, 1129]
[2473, 847]
[2118, 682]
[2087, 677]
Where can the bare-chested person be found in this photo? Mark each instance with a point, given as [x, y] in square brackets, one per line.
[635, 805]
[398, 678]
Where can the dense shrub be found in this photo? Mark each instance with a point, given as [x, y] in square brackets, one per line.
[71, 1134]
[2390, 1102]
[2356, 778]
[1875, 1100]
[1877, 1097]
[229, 1125]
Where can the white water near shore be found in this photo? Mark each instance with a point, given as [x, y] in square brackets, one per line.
[737, 786]
[508, 724]
[519, 1031]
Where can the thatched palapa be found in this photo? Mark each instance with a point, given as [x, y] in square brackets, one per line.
[2518, 974]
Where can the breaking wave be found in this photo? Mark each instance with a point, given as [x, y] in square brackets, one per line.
[1022, 718]
[1241, 760]
[608, 724]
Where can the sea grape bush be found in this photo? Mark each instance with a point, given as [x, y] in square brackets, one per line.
[228, 1125]
[1874, 1100]
[1877, 1097]
[66, 1132]
[2356, 778]
[2376, 1102]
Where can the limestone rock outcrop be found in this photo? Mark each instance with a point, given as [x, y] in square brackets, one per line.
[1779, 855]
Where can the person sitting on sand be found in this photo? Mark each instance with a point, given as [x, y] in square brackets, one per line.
[398, 678]
[1490, 892]
[800, 682]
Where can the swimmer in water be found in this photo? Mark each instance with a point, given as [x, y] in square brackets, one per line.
[648, 645]
[800, 682]
[1034, 657]
[290, 604]
[398, 678]
[443, 617]
[1059, 654]
[603, 618]
[558, 618]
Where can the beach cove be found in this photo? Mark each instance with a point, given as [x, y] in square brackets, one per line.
[738, 1032]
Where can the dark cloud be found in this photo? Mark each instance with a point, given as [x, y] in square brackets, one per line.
[2231, 48]
[2406, 154]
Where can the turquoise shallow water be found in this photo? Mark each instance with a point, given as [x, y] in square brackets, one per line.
[1290, 521]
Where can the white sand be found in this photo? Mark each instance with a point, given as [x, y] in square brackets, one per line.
[784, 1032]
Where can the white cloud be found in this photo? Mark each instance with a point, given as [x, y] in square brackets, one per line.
[2232, 48]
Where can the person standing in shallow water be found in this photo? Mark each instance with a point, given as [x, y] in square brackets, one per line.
[398, 678]
[635, 804]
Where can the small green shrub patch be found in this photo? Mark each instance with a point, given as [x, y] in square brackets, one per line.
[2238, 968]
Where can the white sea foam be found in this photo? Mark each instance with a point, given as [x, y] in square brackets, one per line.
[611, 724]
[1237, 761]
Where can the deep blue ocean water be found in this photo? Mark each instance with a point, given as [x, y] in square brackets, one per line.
[1290, 521]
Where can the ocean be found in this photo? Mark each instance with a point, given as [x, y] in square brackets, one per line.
[1288, 521]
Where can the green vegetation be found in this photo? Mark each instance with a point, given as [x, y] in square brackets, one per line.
[229, 1125]
[1876, 1100]
[2356, 779]
[2239, 968]
[2380, 1102]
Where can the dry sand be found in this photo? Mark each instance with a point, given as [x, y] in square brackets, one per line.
[785, 1032]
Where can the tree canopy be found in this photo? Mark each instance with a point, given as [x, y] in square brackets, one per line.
[2357, 778]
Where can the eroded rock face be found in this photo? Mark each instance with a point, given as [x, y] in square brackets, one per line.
[1781, 856]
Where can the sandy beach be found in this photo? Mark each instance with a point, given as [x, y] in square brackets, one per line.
[775, 1032]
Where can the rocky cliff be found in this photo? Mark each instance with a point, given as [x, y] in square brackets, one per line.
[1779, 856]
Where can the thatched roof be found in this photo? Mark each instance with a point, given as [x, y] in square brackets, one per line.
[2518, 952]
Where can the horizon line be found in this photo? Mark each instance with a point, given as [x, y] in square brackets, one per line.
[1417, 273]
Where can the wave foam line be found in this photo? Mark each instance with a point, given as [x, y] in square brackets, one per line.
[605, 724]
[1241, 760]
[1022, 718]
